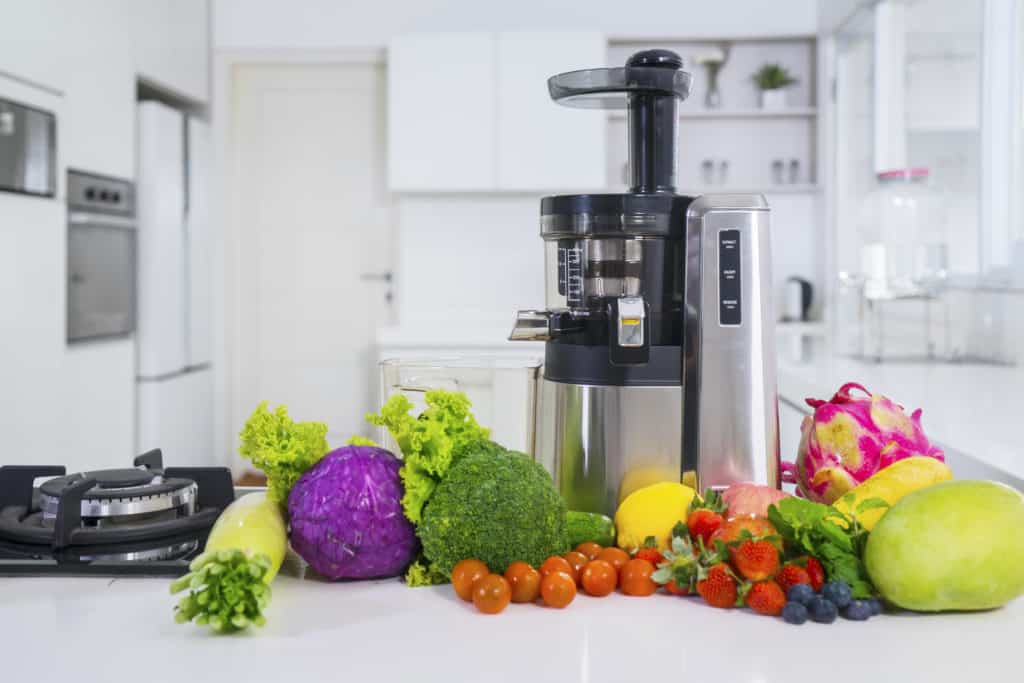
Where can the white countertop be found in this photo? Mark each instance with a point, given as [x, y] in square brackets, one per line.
[972, 408]
[96, 629]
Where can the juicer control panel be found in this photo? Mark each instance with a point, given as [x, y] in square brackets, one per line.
[730, 285]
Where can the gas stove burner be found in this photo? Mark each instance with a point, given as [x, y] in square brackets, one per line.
[124, 493]
[141, 520]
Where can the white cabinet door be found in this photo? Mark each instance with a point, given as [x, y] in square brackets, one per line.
[441, 118]
[543, 146]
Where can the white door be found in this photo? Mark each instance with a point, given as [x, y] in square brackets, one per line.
[175, 416]
[161, 335]
[311, 217]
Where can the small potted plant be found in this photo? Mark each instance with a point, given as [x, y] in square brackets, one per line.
[772, 80]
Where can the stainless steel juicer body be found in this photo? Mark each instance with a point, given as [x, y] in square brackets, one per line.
[730, 399]
[659, 361]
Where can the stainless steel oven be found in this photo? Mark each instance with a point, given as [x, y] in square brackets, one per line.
[101, 257]
[28, 149]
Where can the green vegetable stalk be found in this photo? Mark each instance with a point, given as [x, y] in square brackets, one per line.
[281, 448]
[226, 590]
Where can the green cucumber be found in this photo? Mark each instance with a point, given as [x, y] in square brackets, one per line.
[589, 526]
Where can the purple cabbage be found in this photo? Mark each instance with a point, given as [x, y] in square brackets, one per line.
[346, 515]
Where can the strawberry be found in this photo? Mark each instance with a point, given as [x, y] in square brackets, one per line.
[816, 573]
[766, 597]
[703, 522]
[717, 586]
[674, 589]
[790, 575]
[756, 560]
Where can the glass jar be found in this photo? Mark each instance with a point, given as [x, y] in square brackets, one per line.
[904, 246]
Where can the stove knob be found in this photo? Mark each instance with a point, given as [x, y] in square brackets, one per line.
[104, 196]
[90, 193]
[115, 197]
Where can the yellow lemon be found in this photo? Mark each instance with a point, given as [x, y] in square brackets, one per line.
[652, 511]
[645, 475]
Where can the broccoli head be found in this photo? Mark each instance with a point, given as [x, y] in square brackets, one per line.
[496, 506]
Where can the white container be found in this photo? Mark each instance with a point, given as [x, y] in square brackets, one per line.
[773, 100]
[503, 391]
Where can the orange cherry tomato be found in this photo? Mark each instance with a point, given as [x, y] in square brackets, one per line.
[491, 594]
[577, 560]
[465, 574]
[635, 578]
[557, 589]
[555, 564]
[590, 549]
[616, 557]
[524, 580]
[599, 578]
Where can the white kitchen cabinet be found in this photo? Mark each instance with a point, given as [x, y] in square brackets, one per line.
[471, 112]
[171, 45]
[441, 112]
[543, 146]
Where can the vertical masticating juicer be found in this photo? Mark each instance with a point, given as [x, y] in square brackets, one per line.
[660, 356]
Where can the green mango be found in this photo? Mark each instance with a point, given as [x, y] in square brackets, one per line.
[958, 545]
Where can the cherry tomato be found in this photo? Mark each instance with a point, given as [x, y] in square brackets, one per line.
[557, 589]
[465, 575]
[524, 580]
[590, 549]
[555, 564]
[491, 594]
[652, 555]
[635, 578]
[616, 557]
[577, 560]
[599, 578]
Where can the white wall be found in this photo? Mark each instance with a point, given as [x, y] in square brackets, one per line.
[332, 23]
[76, 405]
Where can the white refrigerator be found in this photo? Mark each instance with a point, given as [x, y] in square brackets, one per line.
[174, 336]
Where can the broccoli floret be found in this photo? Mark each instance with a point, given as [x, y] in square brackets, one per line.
[496, 506]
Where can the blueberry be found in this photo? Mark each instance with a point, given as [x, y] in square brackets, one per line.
[837, 592]
[822, 610]
[794, 613]
[876, 606]
[801, 593]
[857, 610]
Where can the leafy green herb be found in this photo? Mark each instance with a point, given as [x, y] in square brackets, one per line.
[835, 538]
[225, 590]
[281, 448]
[422, 573]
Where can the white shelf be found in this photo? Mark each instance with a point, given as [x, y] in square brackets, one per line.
[789, 113]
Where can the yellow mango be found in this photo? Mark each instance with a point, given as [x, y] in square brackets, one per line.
[891, 484]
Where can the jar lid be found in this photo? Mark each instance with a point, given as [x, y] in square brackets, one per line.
[903, 173]
[613, 215]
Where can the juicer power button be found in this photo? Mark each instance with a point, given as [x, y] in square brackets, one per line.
[730, 308]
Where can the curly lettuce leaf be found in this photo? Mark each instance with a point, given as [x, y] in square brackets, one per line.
[430, 443]
[357, 440]
[422, 573]
[281, 448]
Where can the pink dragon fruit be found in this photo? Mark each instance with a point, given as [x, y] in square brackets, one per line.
[850, 438]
